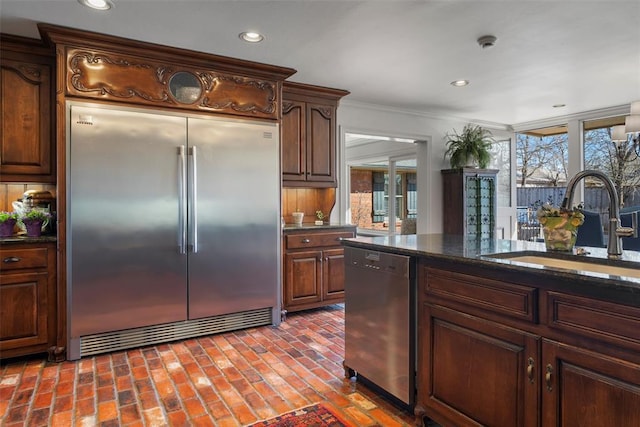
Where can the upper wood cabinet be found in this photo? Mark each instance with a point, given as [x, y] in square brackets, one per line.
[26, 138]
[108, 68]
[309, 135]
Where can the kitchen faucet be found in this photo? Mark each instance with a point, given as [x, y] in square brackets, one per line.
[614, 247]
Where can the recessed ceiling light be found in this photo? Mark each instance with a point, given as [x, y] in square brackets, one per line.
[459, 83]
[559, 105]
[97, 4]
[251, 37]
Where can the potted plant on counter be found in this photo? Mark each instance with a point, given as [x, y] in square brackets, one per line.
[469, 148]
[559, 226]
[7, 222]
[33, 221]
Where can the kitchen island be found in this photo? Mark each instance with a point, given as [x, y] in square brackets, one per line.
[508, 343]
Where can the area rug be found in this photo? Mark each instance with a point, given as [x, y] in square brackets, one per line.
[316, 415]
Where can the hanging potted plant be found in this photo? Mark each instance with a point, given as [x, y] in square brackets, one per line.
[7, 222]
[470, 148]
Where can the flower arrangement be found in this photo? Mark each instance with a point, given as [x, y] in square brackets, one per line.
[319, 217]
[8, 216]
[33, 216]
[559, 226]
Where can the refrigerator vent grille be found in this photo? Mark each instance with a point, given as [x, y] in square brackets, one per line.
[129, 338]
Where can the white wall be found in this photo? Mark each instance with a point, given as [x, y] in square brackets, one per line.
[377, 120]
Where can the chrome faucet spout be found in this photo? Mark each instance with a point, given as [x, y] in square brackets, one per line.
[614, 246]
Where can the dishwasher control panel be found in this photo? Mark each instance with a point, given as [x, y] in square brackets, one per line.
[375, 260]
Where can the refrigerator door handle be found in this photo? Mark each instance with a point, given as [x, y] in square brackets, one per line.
[194, 199]
[182, 206]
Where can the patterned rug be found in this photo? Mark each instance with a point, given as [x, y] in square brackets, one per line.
[316, 415]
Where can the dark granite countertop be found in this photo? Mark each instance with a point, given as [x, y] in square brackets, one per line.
[311, 227]
[23, 238]
[457, 248]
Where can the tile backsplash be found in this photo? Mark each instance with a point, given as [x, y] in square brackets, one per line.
[14, 191]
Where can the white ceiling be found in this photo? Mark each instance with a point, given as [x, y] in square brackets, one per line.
[399, 53]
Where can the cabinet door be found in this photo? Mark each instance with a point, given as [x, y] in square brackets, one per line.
[25, 94]
[333, 274]
[586, 389]
[321, 146]
[23, 310]
[293, 129]
[303, 278]
[473, 371]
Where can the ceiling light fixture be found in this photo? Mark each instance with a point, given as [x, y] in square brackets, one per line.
[97, 4]
[487, 41]
[632, 126]
[251, 37]
[459, 83]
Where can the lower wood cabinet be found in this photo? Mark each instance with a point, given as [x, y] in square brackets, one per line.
[313, 272]
[480, 372]
[502, 353]
[28, 299]
[582, 388]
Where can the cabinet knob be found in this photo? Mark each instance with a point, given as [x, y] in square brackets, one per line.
[306, 240]
[11, 259]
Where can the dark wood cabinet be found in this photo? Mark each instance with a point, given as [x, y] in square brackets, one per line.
[26, 98]
[308, 133]
[469, 202]
[481, 371]
[28, 299]
[498, 349]
[582, 388]
[313, 272]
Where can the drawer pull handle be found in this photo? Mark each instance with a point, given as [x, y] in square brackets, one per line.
[547, 378]
[11, 259]
[306, 240]
[530, 365]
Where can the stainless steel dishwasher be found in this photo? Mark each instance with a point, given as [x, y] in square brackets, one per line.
[380, 310]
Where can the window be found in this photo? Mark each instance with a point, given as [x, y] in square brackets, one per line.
[617, 159]
[542, 158]
[371, 192]
[405, 195]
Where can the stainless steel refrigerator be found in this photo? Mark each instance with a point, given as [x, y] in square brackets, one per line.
[173, 226]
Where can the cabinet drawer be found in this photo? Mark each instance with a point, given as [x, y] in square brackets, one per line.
[502, 298]
[297, 241]
[604, 321]
[16, 259]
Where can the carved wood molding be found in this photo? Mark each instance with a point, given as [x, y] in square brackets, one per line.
[29, 72]
[287, 106]
[99, 74]
[326, 112]
[95, 74]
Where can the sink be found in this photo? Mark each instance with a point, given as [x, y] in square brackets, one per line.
[569, 262]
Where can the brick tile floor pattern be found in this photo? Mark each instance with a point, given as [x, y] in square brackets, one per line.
[227, 380]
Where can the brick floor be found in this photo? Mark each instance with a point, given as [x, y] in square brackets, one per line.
[232, 379]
